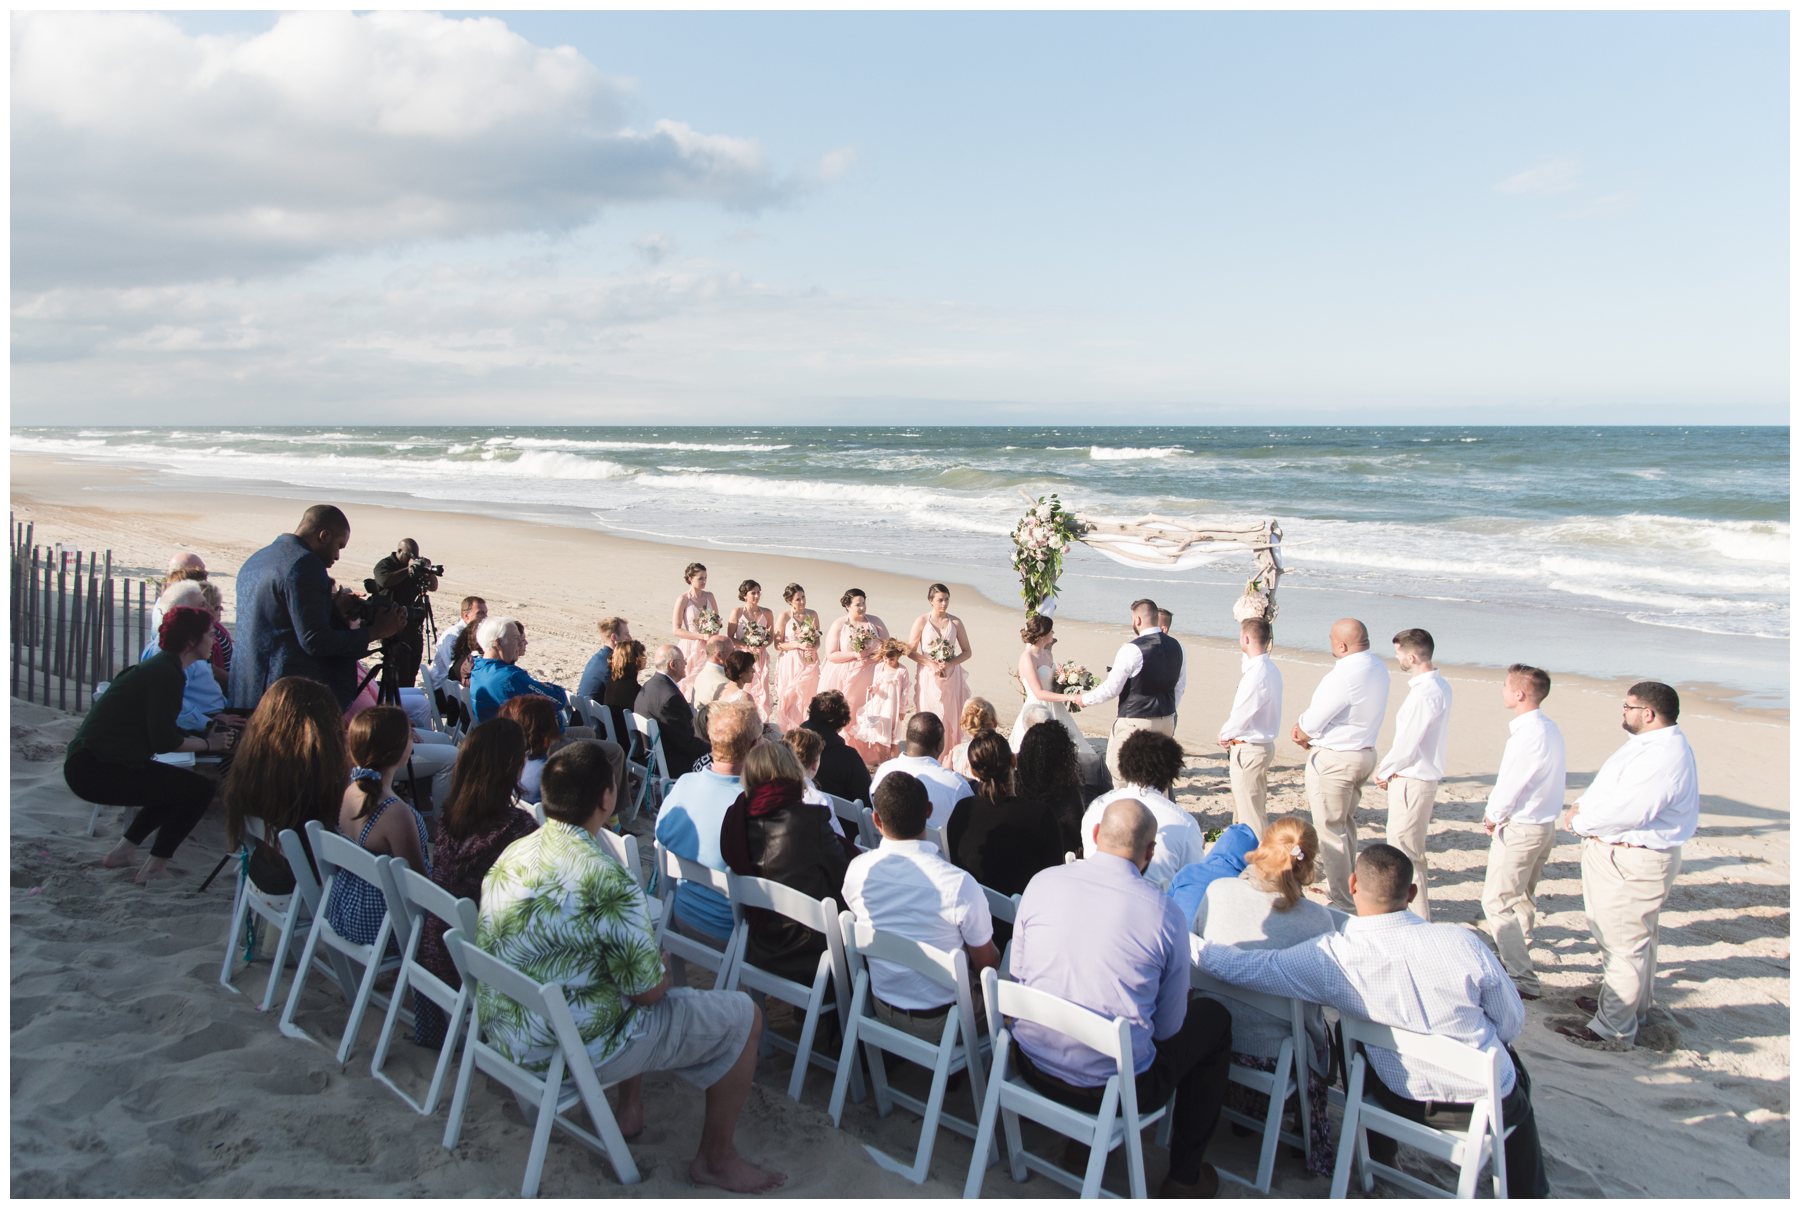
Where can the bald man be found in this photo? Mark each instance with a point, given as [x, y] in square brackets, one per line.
[1338, 733]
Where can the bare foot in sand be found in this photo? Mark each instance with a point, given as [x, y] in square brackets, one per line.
[123, 855]
[154, 867]
[735, 1174]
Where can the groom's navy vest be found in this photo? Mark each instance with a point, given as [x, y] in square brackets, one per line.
[1151, 693]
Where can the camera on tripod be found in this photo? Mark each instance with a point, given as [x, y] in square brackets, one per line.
[412, 595]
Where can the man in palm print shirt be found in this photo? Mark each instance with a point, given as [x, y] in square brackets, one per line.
[558, 908]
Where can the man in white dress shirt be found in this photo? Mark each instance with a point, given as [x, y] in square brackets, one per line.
[1338, 733]
[1248, 735]
[1521, 816]
[1149, 763]
[1415, 763]
[1148, 676]
[1643, 805]
[924, 744]
[474, 612]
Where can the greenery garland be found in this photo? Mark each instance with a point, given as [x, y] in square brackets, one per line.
[1040, 539]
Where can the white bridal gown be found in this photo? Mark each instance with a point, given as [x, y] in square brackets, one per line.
[1060, 712]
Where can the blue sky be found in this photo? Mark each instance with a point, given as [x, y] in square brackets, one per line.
[1304, 217]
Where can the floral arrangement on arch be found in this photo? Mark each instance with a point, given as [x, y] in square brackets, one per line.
[1040, 539]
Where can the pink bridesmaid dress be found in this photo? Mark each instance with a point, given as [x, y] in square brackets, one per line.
[760, 689]
[799, 673]
[944, 697]
[854, 681]
[693, 652]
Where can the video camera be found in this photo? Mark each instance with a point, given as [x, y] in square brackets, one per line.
[381, 600]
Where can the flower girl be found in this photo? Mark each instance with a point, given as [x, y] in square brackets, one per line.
[882, 720]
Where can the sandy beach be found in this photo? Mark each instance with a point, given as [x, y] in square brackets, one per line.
[132, 1070]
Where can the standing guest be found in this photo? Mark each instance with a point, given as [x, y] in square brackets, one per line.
[536, 716]
[1048, 774]
[286, 625]
[1099, 935]
[621, 693]
[377, 819]
[480, 820]
[288, 769]
[594, 676]
[1391, 967]
[906, 887]
[1149, 763]
[201, 698]
[977, 716]
[940, 645]
[1149, 676]
[472, 612]
[842, 772]
[694, 608]
[1164, 619]
[880, 723]
[557, 907]
[691, 816]
[1000, 838]
[662, 702]
[753, 628]
[111, 761]
[851, 648]
[924, 744]
[798, 635]
[1642, 806]
[1338, 731]
[1521, 816]
[407, 578]
[1415, 763]
[712, 678]
[1248, 734]
[772, 832]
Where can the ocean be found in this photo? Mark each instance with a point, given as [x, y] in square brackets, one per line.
[1656, 553]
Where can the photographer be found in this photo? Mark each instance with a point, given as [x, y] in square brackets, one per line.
[406, 578]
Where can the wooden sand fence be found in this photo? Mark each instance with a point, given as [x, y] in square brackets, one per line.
[75, 623]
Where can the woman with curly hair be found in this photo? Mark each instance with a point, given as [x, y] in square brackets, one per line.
[1048, 775]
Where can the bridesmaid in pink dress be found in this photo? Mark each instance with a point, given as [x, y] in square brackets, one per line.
[737, 625]
[688, 607]
[847, 669]
[943, 685]
[799, 670]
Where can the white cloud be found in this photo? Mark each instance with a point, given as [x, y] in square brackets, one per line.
[143, 153]
[1552, 176]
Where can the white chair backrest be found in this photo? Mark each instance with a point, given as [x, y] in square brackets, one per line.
[306, 884]
[802, 908]
[334, 852]
[624, 849]
[939, 965]
[659, 760]
[674, 869]
[1274, 1005]
[1069, 858]
[848, 812]
[1002, 907]
[936, 836]
[256, 829]
[1456, 1057]
[598, 716]
[1013, 1000]
[424, 896]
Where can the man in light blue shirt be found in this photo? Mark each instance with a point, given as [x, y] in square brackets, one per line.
[1097, 934]
[692, 814]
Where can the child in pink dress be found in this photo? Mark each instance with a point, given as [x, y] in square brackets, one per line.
[881, 722]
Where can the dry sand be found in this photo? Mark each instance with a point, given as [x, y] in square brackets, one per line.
[134, 1071]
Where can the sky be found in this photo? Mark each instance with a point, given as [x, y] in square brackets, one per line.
[927, 218]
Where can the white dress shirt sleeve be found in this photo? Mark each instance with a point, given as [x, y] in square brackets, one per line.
[1500, 1000]
[1126, 664]
[976, 922]
[1411, 725]
[1305, 971]
[1524, 753]
[1253, 692]
[440, 660]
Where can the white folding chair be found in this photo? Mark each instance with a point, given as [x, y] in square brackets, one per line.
[624, 849]
[936, 836]
[958, 1041]
[1288, 1078]
[1069, 858]
[850, 816]
[871, 834]
[671, 871]
[1004, 908]
[596, 715]
[337, 858]
[1468, 1150]
[1009, 1097]
[552, 1092]
[285, 911]
[657, 780]
[831, 972]
[412, 898]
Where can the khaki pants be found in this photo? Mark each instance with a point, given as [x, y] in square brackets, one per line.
[1250, 783]
[1124, 728]
[1334, 783]
[1409, 828]
[1624, 889]
[1509, 895]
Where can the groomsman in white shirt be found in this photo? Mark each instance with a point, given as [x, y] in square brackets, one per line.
[1521, 816]
[1415, 763]
[1643, 806]
[1338, 732]
[1248, 735]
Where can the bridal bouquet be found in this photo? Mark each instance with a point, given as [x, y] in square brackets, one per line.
[1040, 539]
[861, 635]
[755, 634]
[942, 650]
[707, 622]
[1072, 677]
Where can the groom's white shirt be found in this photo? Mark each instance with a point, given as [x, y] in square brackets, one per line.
[1126, 664]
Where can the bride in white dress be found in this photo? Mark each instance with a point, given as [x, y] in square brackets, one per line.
[1037, 675]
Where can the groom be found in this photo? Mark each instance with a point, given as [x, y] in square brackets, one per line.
[1148, 678]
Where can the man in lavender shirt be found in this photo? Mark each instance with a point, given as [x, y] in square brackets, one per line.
[1096, 933]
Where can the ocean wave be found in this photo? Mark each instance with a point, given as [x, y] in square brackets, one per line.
[1666, 537]
[990, 515]
[1101, 453]
[569, 443]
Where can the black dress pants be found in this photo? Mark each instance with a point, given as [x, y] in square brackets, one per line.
[1192, 1066]
[1525, 1178]
[172, 799]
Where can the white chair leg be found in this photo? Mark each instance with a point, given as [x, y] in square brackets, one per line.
[847, 1056]
[1265, 1162]
[815, 1006]
[1346, 1151]
[365, 991]
[540, 1134]
[1134, 1163]
[386, 1034]
[452, 1034]
[94, 820]
[984, 1130]
[284, 943]
[1096, 1164]
[239, 909]
[294, 992]
[459, 1100]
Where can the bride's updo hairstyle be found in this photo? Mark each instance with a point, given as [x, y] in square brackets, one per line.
[792, 590]
[693, 569]
[1287, 858]
[1036, 626]
[851, 594]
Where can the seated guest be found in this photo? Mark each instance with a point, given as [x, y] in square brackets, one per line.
[705, 761]
[497, 676]
[222, 644]
[1224, 859]
[111, 760]
[1266, 909]
[536, 716]
[620, 693]
[807, 748]
[692, 814]
[1393, 968]
[1096, 933]
[201, 697]
[554, 900]
[288, 769]
[471, 614]
[379, 820]
[998, 837]
[977, 715]
[594, 677]
[842, 773]
[464, 653]
[662, 701]
[1148, 765]
[772, 832]
[905, 887]
[479, 821]
[1047, 772]
[740, 669]
[924, 743]
[712, 677]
